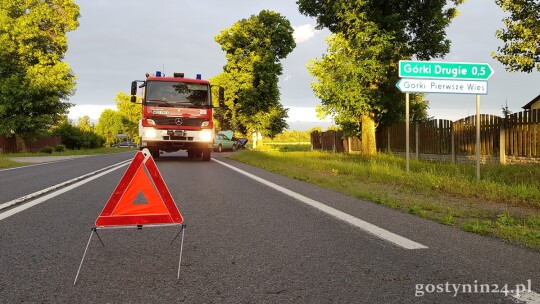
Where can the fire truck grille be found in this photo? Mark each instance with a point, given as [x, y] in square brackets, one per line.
[178, 121]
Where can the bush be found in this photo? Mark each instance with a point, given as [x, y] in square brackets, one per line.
[293, 136]
[74, 138]
[60, 148]
[47, 149]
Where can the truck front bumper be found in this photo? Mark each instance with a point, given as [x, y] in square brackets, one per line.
[166, 139]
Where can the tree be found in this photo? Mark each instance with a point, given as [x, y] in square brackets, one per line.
[348, 81]
[124, 120]
[83, 123]
[521, 50]
[76, 138]
[356, 79]
[254, 48]
[33, 78]
[505, 110]
[418, 25]
[110, 124]
[131, 114]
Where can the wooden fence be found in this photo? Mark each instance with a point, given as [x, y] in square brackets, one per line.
[328, 141]
[522, 134]
[334, 141]
[514, 137]
[443, 136]
[8, 145]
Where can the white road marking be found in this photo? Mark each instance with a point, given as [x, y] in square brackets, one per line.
[33, 165]
[368, 227]
[62, 188]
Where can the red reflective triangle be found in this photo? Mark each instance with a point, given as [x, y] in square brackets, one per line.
[140, 198]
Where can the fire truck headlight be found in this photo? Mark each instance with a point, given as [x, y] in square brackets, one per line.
[206, 135]
[205, 124]
[149, 133]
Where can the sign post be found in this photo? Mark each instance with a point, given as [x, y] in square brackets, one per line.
[407, 126]
[444, 77]
[478, 137]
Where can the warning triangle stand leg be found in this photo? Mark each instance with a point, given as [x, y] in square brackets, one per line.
[138, 227]
[94, 230]
[181, 248]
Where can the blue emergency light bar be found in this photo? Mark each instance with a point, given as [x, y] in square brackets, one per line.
[198, 76]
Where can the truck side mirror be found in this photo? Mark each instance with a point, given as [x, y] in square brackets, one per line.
[221, 97]
[133, 99]
[134, 88]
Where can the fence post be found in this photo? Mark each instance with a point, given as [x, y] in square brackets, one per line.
[453, 143]
[416, 140]
[388, 138]
[334, 147]
[502, 145]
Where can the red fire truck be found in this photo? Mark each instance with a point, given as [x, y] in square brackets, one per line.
[177, 114]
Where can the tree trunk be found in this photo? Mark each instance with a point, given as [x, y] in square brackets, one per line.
[369, 145]
[20, 145]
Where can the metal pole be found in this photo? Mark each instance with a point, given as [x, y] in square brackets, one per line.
[478, 137]
[407, 130]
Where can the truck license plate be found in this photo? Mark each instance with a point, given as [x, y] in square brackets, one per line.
[179, 133]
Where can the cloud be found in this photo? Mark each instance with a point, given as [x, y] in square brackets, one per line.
[93, 111]
[304, 114]
[303, 33]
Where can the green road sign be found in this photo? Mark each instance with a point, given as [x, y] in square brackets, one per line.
[445, 70]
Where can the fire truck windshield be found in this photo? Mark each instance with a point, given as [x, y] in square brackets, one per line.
[177, 94]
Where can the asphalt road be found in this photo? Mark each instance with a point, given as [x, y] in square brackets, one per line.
[245, 242]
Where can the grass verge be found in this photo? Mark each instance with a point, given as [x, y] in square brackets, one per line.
[505, 203]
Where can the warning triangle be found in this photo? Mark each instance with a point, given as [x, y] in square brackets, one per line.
[140, 198]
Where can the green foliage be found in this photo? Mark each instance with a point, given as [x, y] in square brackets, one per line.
[476, 226]
[75, 138]
[521, 50]
[47, 149]
[349, 83]
[417, 26]
[417, 209]
[448, 219]
[125, 120]
[254, 48]
[33, 78]
[505, 219]
[131, 114]
[293, 136]
[110, 124]
[83, 123]
[60, 148]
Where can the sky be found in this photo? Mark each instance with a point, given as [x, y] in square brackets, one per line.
[120, 41]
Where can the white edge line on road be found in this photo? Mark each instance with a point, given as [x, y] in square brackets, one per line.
[62, 188]
[25, 198]
[375, 230]
[34, 164]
